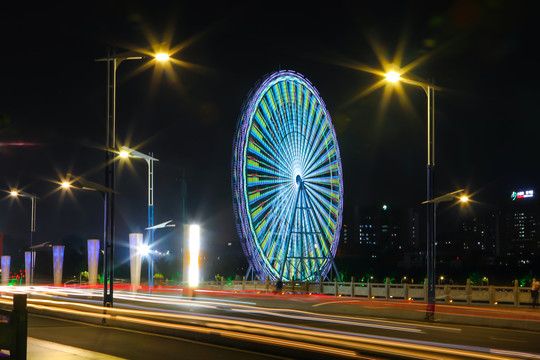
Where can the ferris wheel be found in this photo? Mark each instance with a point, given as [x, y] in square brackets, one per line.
[287, 180]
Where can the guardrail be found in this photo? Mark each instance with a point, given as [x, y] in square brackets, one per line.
[14, 328]
[464, 294]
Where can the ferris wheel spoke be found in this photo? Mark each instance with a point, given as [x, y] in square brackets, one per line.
[310, 115]
[261, 205]
[268, 105]
[325, 154]
[324, 234]
[317, 120]
[263, 152]
[261, 144]
[325, 176]
[276, 208]
[324, 149]
[285, 205]
[326, 198]
[313, 116]
[281, 120]
[271, 136]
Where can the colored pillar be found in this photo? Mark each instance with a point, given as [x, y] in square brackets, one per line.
[135, 243]
[58, 264]
[93, 261]
[5, 262]
[29, 263]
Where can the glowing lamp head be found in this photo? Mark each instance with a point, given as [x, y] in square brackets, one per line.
[13, 193]
[124, 154]
[392, 76]
[65, 185]
[464, 199]
[144, 249]
[162, 57]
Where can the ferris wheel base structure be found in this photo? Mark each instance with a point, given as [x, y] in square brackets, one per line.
[287, 181]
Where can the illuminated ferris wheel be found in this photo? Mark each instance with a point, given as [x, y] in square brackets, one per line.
[287, 180]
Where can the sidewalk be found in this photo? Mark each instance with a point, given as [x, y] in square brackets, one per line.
[47, 350]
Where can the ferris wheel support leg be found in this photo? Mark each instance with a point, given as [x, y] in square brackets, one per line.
[288, 242]
[338, 277]
[330, 258]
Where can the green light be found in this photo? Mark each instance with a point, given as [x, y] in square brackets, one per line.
[385, 207]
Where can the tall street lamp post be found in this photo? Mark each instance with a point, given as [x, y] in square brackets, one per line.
[127, 152]
[429, 89]
[33, 198]
[113, 61]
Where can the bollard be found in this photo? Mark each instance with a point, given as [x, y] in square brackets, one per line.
[20, 325]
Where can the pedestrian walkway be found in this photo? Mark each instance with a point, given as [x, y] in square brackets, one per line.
[48, 350]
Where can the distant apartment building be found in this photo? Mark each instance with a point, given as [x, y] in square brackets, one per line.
[519, 229]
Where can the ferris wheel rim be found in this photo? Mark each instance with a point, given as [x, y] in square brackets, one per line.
[250, 244]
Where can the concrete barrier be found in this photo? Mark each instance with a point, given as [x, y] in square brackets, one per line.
[464, 294]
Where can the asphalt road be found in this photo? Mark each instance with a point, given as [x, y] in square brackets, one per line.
[457, 327]
[131, 344]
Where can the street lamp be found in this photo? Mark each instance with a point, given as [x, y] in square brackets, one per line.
[127, 152]
[113, 61]
[394, 76]
[152, 229]
[431, 249]
[33, 198]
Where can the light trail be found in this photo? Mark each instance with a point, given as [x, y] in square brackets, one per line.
[301, 337]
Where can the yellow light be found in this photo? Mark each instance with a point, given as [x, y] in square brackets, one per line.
[162, 57]
[14, 193]
[66, 185]
[124, 154]
[464, 199]
[392, 76]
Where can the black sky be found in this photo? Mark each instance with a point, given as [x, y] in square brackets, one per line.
[53, 96]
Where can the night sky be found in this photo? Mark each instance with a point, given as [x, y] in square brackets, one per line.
[53, 103]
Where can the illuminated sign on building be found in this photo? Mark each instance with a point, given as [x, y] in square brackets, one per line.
[522, 194]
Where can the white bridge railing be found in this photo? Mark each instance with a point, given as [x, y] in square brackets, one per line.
[459, 294]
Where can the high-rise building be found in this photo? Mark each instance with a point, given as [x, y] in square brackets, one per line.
[520, 240]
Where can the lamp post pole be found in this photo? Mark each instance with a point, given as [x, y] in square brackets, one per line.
[113, 61]
[431, 220]
[33, 198]
[127, 152]
[429, 89]
[150, 163]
